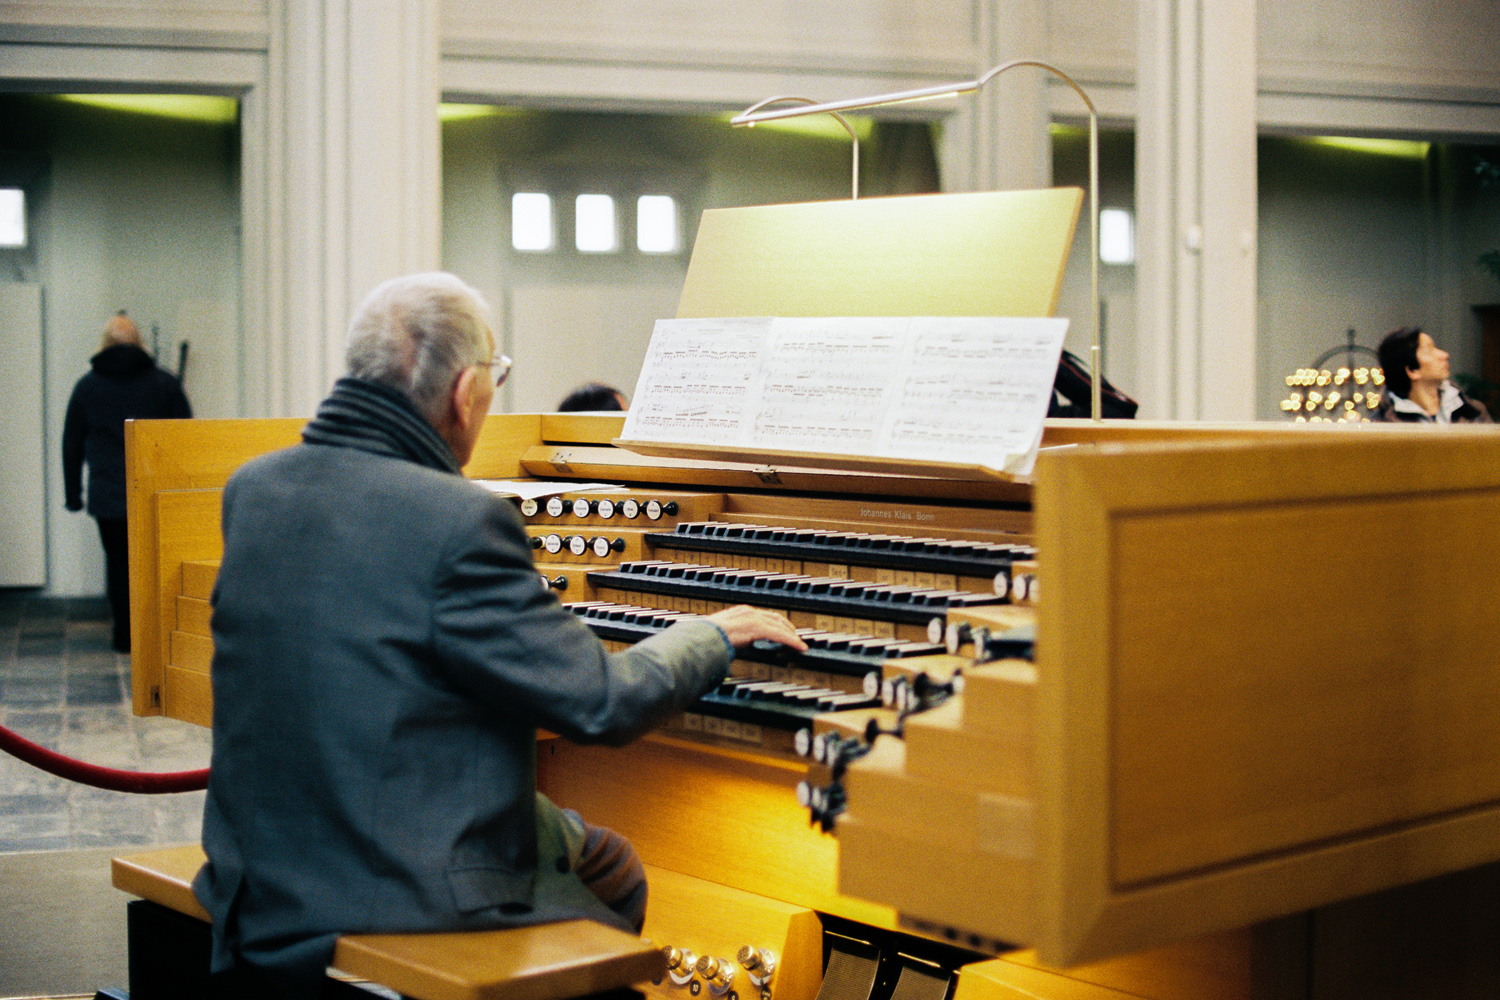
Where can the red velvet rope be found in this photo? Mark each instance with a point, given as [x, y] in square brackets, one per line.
[142, 783]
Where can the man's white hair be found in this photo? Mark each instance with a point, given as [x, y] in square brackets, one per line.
[415, 334]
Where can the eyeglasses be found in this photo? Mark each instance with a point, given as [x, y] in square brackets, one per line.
[501, 361]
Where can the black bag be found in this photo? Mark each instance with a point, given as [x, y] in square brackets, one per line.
[1073, 392]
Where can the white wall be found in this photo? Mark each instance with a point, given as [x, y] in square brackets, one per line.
[142, 214]
[1419, 48]
[23, 514]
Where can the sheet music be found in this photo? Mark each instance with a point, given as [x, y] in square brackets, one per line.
[954, 389]
[825, 384]
[696, 380]
[976, 387]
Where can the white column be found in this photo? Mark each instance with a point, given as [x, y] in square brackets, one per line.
[351, 183]
[1196, 209]
[998, 138]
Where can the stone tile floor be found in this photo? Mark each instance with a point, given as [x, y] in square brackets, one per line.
[62, 686]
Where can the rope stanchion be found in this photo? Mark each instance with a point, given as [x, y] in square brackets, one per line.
[108, 778]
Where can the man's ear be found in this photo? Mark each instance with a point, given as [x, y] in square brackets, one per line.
[462, 398]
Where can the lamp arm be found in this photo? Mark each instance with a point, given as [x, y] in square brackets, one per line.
[752, 115]
[853, 137]
[1096, 350]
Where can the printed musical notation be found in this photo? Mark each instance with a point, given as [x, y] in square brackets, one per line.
[954, 389]
[696, 380]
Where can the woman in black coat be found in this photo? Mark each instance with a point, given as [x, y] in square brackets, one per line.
[124, 384]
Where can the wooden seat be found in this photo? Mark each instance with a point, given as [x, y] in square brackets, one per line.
[541, 962]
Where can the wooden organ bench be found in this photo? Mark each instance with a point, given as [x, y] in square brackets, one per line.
[169, 948]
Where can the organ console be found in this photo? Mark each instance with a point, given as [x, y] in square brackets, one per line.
[1165, 733]
[1092, 734]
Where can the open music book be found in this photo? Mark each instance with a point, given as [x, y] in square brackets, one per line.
[954, 389]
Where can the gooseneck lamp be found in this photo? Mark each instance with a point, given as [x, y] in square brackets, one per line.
[760, 112]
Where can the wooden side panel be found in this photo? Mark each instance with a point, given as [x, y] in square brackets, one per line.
[186, 527]
[188, 695]
[196, 454]
[725, 818]
[1394, 696]
[580, 428]
[198, 578]
[192, 652]
[193, 614]
[169, 455]
[1265, 681]
[501, 442]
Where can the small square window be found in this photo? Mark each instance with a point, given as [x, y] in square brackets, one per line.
[1116, 236]
[531, 225]
[12, 217]
[594, 222]
[656, 228]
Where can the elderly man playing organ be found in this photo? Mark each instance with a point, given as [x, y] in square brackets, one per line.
[383, 659]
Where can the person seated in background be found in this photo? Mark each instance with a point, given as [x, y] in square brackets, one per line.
[593, 396]
[383, 658]
[1417, 387]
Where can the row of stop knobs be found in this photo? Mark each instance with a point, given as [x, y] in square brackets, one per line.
[578, 544]
[583, 507]
[683, 967]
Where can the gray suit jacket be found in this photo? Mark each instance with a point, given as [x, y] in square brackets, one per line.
[384, 653]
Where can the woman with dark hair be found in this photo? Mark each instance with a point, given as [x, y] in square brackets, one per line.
[592, 396]
[1417, 387]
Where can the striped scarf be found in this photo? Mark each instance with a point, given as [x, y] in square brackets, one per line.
[379, 420]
